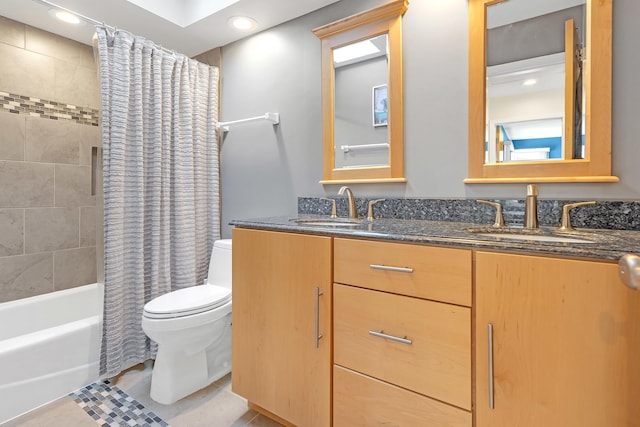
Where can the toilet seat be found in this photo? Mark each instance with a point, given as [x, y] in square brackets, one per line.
[187, 302]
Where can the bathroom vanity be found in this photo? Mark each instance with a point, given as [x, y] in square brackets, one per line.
[281, 339]
[415, 323]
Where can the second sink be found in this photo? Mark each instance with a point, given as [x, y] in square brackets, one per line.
[520, 234]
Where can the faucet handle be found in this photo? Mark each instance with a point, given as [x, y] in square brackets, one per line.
[334, 213]
[499, 221]
[565, 222]
[370, 211]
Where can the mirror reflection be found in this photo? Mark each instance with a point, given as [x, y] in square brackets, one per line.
[586, 115]
[534, 75]
[361, 113]
[362, 96]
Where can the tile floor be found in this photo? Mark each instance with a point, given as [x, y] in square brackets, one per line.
[214, 406]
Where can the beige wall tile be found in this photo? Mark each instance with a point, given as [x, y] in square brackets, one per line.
[12, 32]
[26, 73]
[25, 184]
[211, 57]
[87, 226]
[73, 186]
[12, 134]
[49, 229]
[53, 141]
[46, 43]
[11, 232]
[25, 276]
[76, 85]
[91, 136]
[74, 267]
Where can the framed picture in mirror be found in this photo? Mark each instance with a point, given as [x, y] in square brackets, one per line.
[380, 105]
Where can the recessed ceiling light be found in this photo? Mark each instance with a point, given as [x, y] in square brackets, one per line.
[529, 82]
[242, 23]
[65, 16]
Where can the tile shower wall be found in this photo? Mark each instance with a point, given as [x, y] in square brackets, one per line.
[49, 100]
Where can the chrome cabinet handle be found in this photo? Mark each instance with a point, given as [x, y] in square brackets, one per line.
[381, 334]
[390, 268]
[490, 354]
[318, 335]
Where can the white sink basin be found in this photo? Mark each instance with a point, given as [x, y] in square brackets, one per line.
[543, 234]
[328, 222]
[536, 237]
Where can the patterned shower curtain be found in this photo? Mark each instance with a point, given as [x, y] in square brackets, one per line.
[160, 182]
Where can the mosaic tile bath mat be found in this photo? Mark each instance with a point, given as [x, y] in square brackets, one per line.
[112, 407]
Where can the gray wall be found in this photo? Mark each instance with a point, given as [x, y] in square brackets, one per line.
[265, 169]
[48, 122]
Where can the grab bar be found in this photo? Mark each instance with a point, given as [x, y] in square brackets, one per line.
[347, 148]
[274, 118]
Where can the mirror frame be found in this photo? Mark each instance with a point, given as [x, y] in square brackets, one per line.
[596, 167]
[384, 19]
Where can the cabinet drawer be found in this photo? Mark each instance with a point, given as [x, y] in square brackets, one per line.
[359, 400]
[437, 362]
[441, 274]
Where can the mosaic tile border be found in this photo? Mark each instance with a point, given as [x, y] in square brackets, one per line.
[36, 107]
[112, 407]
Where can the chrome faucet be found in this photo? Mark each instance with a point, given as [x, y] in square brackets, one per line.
[353, 210]
[531, 207]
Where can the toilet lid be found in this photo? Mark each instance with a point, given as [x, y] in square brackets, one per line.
[187, 301]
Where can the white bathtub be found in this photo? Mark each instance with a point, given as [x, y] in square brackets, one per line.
[49, 347]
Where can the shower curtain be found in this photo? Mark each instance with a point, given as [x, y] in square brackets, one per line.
[160, 182]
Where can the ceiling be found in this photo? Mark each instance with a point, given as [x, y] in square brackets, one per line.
[504, 13]
[176, 30]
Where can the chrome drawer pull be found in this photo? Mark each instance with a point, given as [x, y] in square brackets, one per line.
[390, 268]
[490, 354]
[318, 335]
[381, 334]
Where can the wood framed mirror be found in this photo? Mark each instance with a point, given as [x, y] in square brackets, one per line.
[362, 96]
[583, 125]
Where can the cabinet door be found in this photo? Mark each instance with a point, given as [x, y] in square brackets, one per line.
[566, 340]
[275, 362]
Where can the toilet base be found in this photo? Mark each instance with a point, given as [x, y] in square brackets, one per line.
[178, 374]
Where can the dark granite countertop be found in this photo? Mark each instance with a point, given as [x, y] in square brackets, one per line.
[603, 244]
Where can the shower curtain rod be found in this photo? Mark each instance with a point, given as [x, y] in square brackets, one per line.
[90, 20]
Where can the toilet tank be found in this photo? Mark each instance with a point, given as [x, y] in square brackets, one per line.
[220, 264]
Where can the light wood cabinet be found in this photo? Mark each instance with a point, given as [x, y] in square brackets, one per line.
[276, 364]
[401, 359]
[434, 357]
[361, 400]
[565, 344]
[562, 348]
[436, 273]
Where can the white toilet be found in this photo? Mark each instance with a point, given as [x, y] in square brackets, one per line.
[192, 328]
